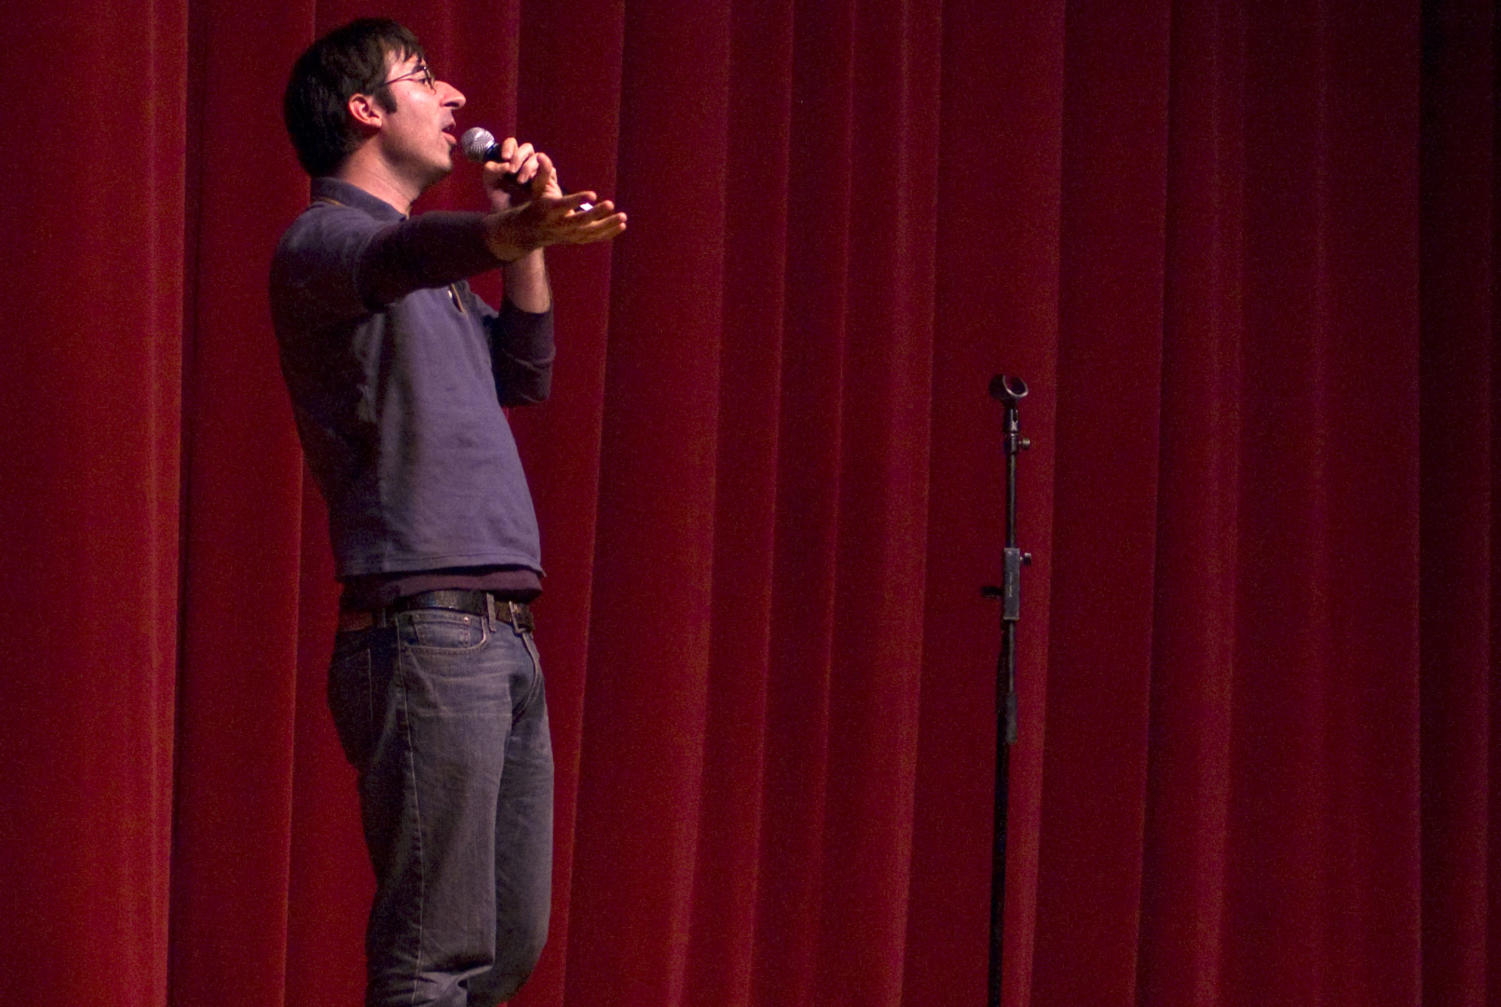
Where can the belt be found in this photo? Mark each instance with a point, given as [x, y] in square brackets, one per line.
[506, 610]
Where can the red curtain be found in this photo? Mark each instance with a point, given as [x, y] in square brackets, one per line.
[1243, 254]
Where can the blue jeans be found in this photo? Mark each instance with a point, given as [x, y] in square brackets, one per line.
[444, 716]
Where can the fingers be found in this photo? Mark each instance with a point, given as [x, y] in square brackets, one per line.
[544, 177]
[577, 201]
[520, 159]
[564, 221]
[508, 150]
[525, 162]
[600, 222]
[503, 186]
[495, 171]
[599, 230]
[513, 233]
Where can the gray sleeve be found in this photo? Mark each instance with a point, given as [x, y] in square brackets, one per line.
[521, 350]
[429, 250]
[337, 264]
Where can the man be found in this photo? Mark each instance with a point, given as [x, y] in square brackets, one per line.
[398, 374]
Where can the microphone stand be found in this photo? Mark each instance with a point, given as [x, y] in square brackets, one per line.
[1009, 391]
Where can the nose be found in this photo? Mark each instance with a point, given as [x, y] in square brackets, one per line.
[451, 96]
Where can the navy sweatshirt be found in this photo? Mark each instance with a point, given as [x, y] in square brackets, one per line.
[397, 374]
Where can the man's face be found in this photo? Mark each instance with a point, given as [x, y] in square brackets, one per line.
[417, 136]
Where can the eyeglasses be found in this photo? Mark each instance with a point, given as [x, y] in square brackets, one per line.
[420, 72]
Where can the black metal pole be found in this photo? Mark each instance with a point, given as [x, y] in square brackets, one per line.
[1009, 391]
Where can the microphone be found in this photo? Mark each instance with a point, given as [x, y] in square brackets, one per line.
[480, 145]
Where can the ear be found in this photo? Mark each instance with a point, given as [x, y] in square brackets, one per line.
[366, 111]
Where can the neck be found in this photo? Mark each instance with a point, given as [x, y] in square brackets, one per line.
[376, 177]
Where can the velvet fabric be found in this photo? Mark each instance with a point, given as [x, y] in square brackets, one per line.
[1244, 255]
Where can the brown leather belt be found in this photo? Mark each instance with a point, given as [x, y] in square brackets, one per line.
[506, 610]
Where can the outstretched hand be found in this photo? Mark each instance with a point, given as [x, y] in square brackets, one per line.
[532, 211]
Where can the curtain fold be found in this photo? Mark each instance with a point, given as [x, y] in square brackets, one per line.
[1458, 479]
[643, 723]
[242, 489]
[1244, 257]
[90, 387]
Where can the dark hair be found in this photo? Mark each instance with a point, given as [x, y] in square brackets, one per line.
[347, 61]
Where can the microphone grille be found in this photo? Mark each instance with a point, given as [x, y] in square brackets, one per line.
[477, 142]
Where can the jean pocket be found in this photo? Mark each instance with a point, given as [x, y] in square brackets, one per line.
[350, 697]
[441, 629]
